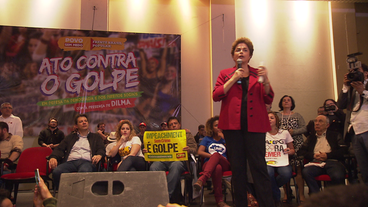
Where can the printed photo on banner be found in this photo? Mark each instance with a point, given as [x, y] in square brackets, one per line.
[110, 76]
[275, 155]
[165, 145]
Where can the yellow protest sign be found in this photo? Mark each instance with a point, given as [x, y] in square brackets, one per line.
[91, 43]
[165, 145]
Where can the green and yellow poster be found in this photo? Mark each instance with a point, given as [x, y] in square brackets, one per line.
[165, 145]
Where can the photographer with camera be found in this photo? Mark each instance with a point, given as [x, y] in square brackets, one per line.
[354, 98]
[335, 115]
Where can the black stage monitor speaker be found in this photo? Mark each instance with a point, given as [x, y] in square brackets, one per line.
[105, 189]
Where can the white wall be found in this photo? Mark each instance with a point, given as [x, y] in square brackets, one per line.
[223, 35]
[292, 38]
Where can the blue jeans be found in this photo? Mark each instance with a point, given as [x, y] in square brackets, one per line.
[283, 176]
[360, 146]
[71, 166]
[175, 170]
[334, 169]
[133, 163]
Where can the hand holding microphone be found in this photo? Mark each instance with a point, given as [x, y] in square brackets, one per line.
[239, 65]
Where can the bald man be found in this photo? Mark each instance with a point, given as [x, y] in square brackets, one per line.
[324, 154]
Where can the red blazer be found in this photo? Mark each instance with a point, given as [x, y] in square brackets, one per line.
[231, 102]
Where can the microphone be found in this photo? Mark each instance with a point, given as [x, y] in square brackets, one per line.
[261, 78]
[239, 62]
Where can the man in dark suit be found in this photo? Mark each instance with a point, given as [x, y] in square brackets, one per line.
[323, 151]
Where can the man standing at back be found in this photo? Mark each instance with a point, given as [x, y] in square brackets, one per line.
[175, 168]
[354, 98]
[51, 136]
[78, 152]
[14, 122]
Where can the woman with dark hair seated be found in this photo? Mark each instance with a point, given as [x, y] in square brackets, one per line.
[212, 149]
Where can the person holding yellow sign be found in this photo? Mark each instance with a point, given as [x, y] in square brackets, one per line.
[128, 145]
[175, 168]
[213, 149]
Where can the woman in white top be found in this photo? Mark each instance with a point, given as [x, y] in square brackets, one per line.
[128, 145]
[279, 145]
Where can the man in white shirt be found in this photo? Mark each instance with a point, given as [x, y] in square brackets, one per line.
[14, 122]
[325, 155]
[354, 98]
[78, 152]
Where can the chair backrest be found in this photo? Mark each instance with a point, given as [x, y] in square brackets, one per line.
[33, 158]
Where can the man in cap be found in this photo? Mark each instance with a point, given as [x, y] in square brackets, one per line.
[164, 126]
[142, 128]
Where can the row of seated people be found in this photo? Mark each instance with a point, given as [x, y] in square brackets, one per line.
[289, 120]
[322, 150]
[76, 149]
[81, 151]
[97, 156]
[294, 123]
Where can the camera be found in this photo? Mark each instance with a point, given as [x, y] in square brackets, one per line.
[330, 108]
[353, 66]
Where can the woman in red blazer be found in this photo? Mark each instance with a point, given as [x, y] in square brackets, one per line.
[244, 121]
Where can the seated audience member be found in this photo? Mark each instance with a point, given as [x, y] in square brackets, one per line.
[128, 146]
[78, 152]
[42, 196]
[175, 168]
[284, 172]
[4, 198]
[212, 149]
[142, 128]
[324, 154]
[310, 125]
[14, 123]
[200, 134]
[340, 196]
[163, 126]
[102, 133]
[112, 139]
[10, 146]
[51, 136]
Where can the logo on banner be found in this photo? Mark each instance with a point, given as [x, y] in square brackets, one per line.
[91, 43]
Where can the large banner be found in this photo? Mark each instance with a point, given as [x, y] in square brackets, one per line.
[110, 76]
